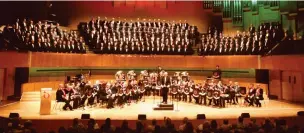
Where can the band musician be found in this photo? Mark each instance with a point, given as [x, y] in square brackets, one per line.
[250, 96]
[165, 84]
[258, 95]
[64, 96]
[217, 74]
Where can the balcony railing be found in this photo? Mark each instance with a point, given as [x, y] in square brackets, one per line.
[207, 4]
[217, 6]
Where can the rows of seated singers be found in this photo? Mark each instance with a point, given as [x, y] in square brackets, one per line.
[252, 42]
[41, 37]
[140, 37]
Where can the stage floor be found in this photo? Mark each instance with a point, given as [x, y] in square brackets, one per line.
[270, 108]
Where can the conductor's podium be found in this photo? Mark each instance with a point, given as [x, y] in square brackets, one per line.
[162, 106]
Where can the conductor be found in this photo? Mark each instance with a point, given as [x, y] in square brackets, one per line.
[165, 83]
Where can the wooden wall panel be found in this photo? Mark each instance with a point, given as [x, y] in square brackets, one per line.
[277, 64]
[284, 62]
[10, 60]
[13, 59]
[31, 87]
[125, 61]
[275, 83]
[2, 80]
[9, 82]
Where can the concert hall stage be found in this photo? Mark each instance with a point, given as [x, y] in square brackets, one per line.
[270, 108]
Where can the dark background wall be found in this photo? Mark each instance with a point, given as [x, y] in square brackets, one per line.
[11, 10]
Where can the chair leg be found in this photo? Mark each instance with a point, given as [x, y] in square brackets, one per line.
[54, 108]
[60, 107]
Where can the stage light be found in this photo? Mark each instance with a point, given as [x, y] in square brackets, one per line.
[300, 113]
[14, 115]
[245, 115]
[142, 117]
[201, 116]
[85, 116]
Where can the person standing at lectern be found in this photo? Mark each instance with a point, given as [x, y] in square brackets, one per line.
[217, 74]
[165, 82]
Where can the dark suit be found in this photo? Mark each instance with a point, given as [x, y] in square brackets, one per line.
[251, 30]
[259, 96]
[59, 98]
[165, 81]
[32, 47]
[250, 97]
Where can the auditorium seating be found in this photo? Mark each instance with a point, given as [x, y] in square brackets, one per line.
[253, 125]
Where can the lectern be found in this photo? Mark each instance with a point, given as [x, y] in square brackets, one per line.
[45, 101]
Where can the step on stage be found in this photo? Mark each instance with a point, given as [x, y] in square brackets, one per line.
[270, 108]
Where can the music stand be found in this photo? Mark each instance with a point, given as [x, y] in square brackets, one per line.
[144, 95]
[176, 109]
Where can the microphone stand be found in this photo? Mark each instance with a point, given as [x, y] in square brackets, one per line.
[160, 94]
[153, 95]
[171, 98]
[143, 94]
[176, 109]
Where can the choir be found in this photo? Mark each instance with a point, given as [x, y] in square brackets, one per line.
[140, 37]
[42, 37]
[143, 36]
[253, 42]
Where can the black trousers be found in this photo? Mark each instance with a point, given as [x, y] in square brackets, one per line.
[196, 99]
[165, 97]
[67, 104]
[165, 94]
[233, 98]
[110, 103]
[185, 97]
[202, 98]
[190, 96]
[249, 100]
[257, 102]
[223, 101]
[174, 96]
[216, 101]
[180, 95]
[148, 91]
[76, 102]
[140, 95]
[210, 101]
